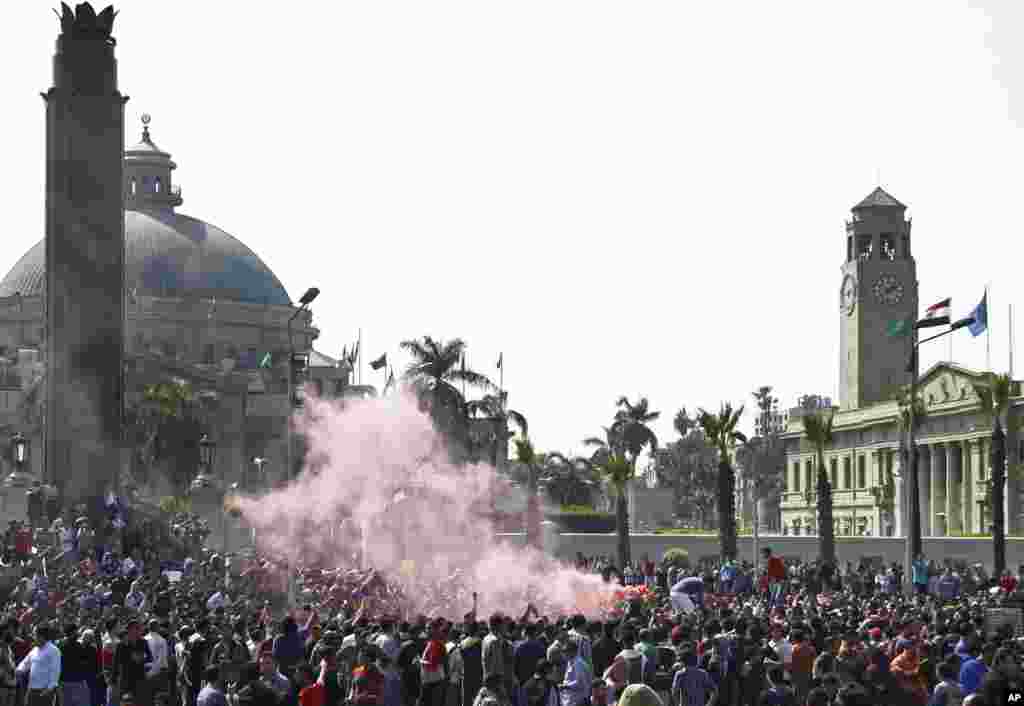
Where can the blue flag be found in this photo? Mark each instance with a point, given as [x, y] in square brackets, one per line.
[980, 316]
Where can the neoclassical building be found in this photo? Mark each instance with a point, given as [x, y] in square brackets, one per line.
[200, 306]
[879, 285]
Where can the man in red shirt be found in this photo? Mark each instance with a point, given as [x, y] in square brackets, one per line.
[776, 572]
[368, 680]
[311, 692]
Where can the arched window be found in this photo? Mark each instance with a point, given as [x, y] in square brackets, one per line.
[134, 186]
[156, 185]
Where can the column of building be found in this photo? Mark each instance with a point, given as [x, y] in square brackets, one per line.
[954, 480]
[924, 477]
[966, 486]
[981, 464]
[899, 499]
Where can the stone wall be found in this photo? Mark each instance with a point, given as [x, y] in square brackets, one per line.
[848, 548]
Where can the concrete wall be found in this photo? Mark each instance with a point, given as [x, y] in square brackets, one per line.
[848, 549]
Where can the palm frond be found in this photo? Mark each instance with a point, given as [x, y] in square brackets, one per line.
[417, 350]
[519, 420]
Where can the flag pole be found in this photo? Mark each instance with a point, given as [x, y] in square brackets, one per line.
[988, 330]
[1011, 341]
[359, 357]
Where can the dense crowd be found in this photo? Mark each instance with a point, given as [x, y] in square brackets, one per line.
[127, 617]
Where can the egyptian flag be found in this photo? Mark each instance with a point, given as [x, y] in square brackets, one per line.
[936, 315]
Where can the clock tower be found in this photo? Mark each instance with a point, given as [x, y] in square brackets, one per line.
[877, 292]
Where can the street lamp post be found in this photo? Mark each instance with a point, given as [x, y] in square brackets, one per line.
[207, 454]
[19, 450]
[307, 299]
[913, 533]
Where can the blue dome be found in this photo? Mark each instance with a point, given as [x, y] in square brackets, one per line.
[171, 255]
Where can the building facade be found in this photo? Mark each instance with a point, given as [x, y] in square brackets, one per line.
[863, 463]
[199, 307]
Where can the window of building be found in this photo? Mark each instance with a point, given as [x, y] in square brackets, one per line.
[208, 353]
[809, 470]
[849, 248]
[170, 349]
[846, 473]
[864, 247]
[862, 472]
[832, 472]
[796, 477]
[319, 384]
[906, 245]
[156, 185]
[888, 246]
[134, 186]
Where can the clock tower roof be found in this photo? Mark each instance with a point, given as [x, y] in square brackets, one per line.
[878, 198]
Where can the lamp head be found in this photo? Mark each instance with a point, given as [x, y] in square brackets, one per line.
[311, 294]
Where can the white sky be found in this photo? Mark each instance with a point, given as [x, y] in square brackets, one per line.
[624, 198]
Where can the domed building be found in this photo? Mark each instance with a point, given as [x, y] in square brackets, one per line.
[200, 306]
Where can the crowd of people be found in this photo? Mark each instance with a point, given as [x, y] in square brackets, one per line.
[109, 618]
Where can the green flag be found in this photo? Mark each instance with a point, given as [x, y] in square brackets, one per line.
[898, 328]
[265, 360]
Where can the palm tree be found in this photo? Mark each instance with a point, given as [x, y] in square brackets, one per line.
[994, 396]
[818, 429]
[494, 407]
[605, 448]
[632, 422]
[528, 459]
[720, 430]
[435, 372]
[618, 472]
[569, 480]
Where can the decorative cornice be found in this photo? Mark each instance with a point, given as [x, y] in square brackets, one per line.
[85, 23]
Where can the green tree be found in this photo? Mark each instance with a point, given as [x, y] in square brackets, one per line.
[436, 373]
[528, 459]
[569, 480]
[618, 472]
[166, 428]
[994, 398]
[494, 407]
[720, 430]
[631, 424]
[687, 466]
[818, 430]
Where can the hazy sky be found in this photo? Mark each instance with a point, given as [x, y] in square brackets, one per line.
[633, 198]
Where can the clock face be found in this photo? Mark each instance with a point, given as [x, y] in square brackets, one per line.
[848, 294]
[888, 290]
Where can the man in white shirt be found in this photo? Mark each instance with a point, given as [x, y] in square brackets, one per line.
[157, 671]
[42, 664]
[783, 648]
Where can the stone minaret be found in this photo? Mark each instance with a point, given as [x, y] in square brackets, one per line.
[84, 258]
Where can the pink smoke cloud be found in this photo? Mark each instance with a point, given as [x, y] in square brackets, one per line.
[379, 464]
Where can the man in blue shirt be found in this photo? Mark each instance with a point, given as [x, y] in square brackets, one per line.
[919, 574]
[972, 671]
[948, 586]
[726, 576]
